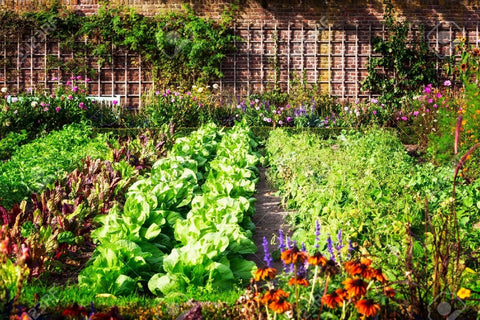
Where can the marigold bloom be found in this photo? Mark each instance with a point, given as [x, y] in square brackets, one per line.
[294, 255]
[317, 259]
[389, 292]
[265, 273]
[464, 293]
[367, 307]
[298, 280]
[280, 305]
[355, 287]
[334, 299]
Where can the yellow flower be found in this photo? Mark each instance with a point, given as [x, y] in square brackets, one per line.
[464, 293]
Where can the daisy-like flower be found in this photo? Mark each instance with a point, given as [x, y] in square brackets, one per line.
[280, 305]
[294, 255]
[378, 274]
[274, 295]
[389, 292]
[317, 259]
[334, 299]
[464, 293]
[463, 67]
[265, 273]
[361, 268]
[298, 280]
[355, 287]
[330, 268]
[367, 307]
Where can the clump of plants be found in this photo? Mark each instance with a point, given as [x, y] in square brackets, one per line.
[38, 111]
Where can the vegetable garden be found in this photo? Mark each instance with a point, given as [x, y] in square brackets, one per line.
[107, 213]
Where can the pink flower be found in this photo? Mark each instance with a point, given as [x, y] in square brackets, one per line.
[373, 100]
[81, 105]
[447, 83]
[435, 106]
[374, 111]
[188, 93]
[70, 97]
[57, 109]
[280, 122]
[54, 79]
[415, 113]
[427, 89]
[69, 83]
[404, 118]
[75, 89]
[439, 95]
[430, 100]
[157, 93]
[114, 102]
[287, 106]
[289, 119]
[79, 77]
[45, 109]
[72, 78]
[87, 80]
[427, 110]
[53, 95]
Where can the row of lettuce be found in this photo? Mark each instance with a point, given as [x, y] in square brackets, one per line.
[397, 211]
[185, 223]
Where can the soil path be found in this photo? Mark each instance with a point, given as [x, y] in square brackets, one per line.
[269, 218]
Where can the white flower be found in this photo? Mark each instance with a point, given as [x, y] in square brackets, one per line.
[4, 89]
[34, 104]
[200, 90]
[215, 86]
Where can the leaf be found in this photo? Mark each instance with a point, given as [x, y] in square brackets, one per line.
[242, 269]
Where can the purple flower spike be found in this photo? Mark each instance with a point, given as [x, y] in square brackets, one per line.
[317, 234]
[282, 246]
[340, 245]
[330, 248]
[350, 248]
[268, 259]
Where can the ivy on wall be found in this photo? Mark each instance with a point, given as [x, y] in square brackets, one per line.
[180, 48]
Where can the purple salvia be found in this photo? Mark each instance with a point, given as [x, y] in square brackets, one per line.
[350, 249]
[330, 248]
[289, 245]
[282, 247]
[281, 240]
[267, 258]
[317, 234]
[340, 245]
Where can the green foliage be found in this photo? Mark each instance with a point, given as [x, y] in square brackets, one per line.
[11, 142]
[35, 165]
[180, 47]
[41, 112]
[404, 64]
[365, 185]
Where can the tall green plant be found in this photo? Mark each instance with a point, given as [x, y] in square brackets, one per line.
[403, 65]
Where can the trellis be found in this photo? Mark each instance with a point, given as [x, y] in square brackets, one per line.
[272, 54]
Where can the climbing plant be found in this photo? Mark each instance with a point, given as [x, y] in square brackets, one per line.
[180, 48]
[403, 64]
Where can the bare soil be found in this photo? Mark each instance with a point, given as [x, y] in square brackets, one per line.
[268, 219]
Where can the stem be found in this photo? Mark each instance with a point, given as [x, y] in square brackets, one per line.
[313, 286]
[296, 292]
[324, 293]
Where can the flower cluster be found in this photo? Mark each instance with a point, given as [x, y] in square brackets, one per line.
[312, 284]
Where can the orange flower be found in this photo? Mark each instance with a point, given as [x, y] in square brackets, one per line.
[264, 273]
[378, 274]
[330, 268]
[463, 67]
[367, 307]
[280, 305]
[298, 280]
[362, 268]
[389, 292]
[294, 255]
[317, 259]
[334, 299]
[274, 295]
[355, 287]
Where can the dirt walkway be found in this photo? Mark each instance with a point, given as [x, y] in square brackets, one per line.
[268, 219]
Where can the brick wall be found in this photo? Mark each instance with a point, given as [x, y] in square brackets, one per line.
[328, 41]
